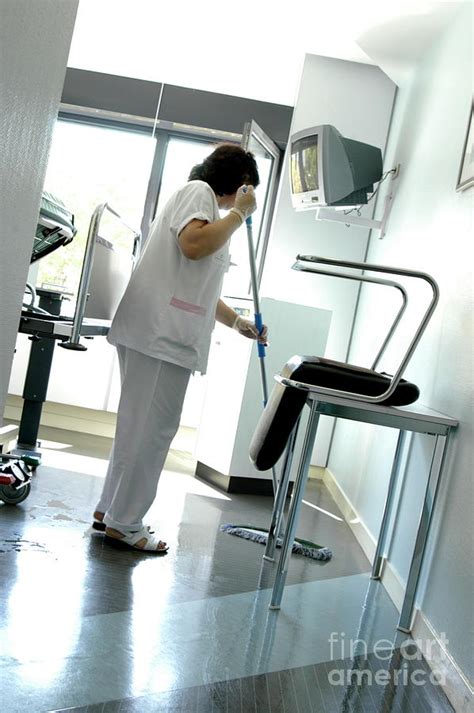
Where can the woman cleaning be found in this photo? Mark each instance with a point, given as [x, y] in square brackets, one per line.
[162, 332]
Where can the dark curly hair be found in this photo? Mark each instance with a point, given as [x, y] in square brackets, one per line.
[226, 169]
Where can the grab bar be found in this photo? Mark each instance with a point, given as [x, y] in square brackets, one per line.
[362, 278]
[82, 295]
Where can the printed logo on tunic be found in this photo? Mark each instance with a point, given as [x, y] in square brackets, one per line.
[188, 307]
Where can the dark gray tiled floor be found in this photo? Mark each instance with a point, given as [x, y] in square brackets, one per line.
[63, 589]
[345, 686]
[202, 562]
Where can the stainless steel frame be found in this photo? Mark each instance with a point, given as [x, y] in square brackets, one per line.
[71, 112]
[404, 419]
[372, 280]
[384, 269]
[276, 525]
[364, 408]
[252, 131]
[73, 342]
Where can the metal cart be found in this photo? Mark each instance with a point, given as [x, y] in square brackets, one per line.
[46, 326]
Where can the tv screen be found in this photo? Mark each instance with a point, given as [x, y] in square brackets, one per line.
[304, 165]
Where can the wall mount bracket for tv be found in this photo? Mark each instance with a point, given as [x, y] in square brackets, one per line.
[348, 218]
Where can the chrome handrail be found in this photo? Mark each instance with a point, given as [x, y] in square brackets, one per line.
[418, 333]
[82, 295]
[374, 280]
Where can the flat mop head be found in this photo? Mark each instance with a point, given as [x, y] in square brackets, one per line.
[300, 547]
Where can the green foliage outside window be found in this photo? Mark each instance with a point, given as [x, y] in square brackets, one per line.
[90, 165]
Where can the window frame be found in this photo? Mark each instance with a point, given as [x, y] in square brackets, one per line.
[163, 131]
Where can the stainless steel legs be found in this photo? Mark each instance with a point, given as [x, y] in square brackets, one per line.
[437, 463]
[382, 541]
[293, 514]
[280, 498]
[436, 468]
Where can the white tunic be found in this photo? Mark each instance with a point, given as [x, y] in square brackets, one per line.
[168, 309]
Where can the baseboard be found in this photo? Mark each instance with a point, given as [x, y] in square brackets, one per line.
[235, 484]
[84, 420]
[316, 472]
[456, 686]
[69, 418]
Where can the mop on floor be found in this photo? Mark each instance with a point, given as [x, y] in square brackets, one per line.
[250, 532]
[300, 547]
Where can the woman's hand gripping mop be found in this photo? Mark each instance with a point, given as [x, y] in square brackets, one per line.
[272, 537]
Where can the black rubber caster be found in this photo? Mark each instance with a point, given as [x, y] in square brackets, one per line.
[13, 496]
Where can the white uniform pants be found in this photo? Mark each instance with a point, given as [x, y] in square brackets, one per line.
[148, 417]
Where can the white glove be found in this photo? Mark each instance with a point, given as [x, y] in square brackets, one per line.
[248, 329]
[245, 203]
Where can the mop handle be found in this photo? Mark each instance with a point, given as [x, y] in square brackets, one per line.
[259, 325]
[257, 314]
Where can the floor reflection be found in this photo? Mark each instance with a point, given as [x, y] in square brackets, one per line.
[85, 624]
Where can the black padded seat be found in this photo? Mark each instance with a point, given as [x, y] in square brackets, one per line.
[286, 402]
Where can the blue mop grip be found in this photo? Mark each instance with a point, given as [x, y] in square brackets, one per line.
[259, 325]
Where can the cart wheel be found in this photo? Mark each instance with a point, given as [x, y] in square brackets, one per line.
[14, 496]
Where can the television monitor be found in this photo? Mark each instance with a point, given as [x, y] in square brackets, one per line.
[327, 169]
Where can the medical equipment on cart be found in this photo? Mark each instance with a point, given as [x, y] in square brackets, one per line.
[55, 228]
[45, 324]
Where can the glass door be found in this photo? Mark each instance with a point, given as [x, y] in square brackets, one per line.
[174, 158]
[268, 156]
[181, 155]
[269, 160]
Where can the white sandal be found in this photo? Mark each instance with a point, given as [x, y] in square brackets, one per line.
[99, 524]
[152, 544]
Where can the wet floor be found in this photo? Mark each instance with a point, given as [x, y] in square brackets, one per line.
[88, 627]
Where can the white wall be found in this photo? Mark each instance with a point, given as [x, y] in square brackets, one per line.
[357, 99]
[34, 44]
[430, 229]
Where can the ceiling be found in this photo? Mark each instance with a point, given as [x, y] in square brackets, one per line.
[251, 50]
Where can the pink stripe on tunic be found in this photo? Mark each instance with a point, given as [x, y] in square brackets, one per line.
[188, 307]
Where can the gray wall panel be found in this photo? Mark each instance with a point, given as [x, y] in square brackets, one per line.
[223, 112]
[178, 104]
[111, 93]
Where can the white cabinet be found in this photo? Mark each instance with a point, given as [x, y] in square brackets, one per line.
[233, 400]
